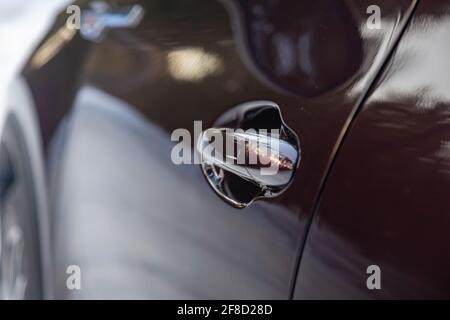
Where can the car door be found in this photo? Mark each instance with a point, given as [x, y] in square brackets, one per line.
[136, 223]
[381, 229]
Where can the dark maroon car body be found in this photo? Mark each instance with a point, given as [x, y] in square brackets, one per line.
[371, 108]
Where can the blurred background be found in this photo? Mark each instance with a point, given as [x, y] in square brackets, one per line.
[22, 24]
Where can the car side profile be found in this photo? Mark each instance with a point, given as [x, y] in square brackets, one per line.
[357, 96]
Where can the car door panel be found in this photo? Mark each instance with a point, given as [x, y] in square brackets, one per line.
[385, 203]
[194, 61]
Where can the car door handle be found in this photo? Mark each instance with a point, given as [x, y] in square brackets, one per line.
[273, 159]
[255, 163]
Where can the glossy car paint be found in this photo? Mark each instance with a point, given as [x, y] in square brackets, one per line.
[386, 201]
[194, 61]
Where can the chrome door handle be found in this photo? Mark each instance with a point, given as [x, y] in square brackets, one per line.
[246, 165]
[274, 158]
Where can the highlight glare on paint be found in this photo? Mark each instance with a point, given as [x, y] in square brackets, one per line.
[193, 64]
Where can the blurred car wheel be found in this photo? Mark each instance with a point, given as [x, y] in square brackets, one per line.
[23, 220]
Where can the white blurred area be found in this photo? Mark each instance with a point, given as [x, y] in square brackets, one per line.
[22, 25]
